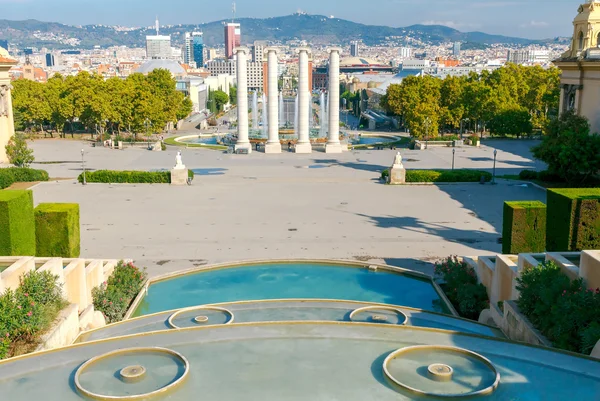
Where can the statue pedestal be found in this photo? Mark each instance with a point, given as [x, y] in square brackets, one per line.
[333, 148]
[304, 147]
[179, 176]
[397, 175]
[274, 147]
[246, 146]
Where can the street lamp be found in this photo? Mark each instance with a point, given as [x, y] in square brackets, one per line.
[494, 173]
[427, 124]
[453, 153]
[83, 167]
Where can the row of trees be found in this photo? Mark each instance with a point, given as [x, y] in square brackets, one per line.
[510, 100]
[138, 104]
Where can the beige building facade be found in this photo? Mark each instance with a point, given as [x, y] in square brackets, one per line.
[580, 79]
[7, 126]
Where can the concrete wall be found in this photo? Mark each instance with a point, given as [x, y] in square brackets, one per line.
[7, 125]
[78, 277]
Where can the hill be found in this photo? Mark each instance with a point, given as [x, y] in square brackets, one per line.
[316, 29]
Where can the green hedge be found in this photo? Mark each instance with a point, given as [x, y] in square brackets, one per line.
[447, 175]
[17, 224]
[129, 177]
[57, 230]
[574, 215]
[524, 227]
[9, 176]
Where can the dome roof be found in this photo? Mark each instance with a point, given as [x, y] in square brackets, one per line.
[357, 61]
[171, 65]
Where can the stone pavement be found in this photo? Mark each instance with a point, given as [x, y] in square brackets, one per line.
[284, 206]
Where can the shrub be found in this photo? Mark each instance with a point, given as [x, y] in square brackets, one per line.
[467, 295]
[28, 312]
[9, 176]
[569, 150]
[17, 223]
[563, 310]
[129, 177]
[114, 297]
[17, 151]
[524, 227]
[474, 139]
[385, 174]
[575, 217]
[57, 230]
[528, 175]
[446, 176]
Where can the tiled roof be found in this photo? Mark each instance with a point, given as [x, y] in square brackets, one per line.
[5, 60]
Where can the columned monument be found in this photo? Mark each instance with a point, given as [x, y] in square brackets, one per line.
[243, 141]
[304, 102]
[580, 65]
[7, 125]
[333, 140]
[273, 144]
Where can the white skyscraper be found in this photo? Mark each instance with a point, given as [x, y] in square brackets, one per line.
[158, 46]
[405, 52]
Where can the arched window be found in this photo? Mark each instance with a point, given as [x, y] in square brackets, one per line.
[580, 46]
[598, 40]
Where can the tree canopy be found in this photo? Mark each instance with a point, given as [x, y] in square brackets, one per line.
[137, 104]
[510, 100]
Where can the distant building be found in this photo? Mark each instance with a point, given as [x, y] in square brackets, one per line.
[158, 47]
[172, 66]
[354, 49]
[456, 49]
[415, 64]
[211, 54]
[188, 49]
[50, 60]
[4, 44]
[528, 56]
[258, 51]
[233, 38]
[71, 52]
[28, 51]
[352, 65]
[193, 50]
[221, 67]
[405, 52]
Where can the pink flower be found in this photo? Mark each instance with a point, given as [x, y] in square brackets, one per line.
[18, 306]
[33, 304]
[26, 294]
[29, 313]
[6, 335]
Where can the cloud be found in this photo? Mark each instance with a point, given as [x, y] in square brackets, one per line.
[535, 24]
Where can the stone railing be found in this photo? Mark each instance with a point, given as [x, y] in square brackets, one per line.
[420, 145]
[78, 277]
[499, 276]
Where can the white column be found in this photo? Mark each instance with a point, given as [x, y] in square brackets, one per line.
[303, 145]
[273, 145]
[243, 141]
[333, 140]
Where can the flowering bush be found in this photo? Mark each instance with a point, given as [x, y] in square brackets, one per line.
[564, 311]
[114, 296]
[468, 296]
[28, 312]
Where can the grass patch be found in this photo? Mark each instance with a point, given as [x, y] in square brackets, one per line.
[173, 142]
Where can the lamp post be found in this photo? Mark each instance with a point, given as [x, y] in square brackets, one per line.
[83, 167]
[494, 173]
[427, 124]
[453, 153]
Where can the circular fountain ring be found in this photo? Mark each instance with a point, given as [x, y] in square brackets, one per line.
[130, 375]
[441, 373]
[379, 318]
[199, 319]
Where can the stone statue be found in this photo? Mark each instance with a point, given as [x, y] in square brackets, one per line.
[4, 94]
[178, 162]
[398, 159]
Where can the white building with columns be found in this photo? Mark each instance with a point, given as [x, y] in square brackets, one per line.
[7, 125]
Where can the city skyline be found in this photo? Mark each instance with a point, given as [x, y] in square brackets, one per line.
[523, 18]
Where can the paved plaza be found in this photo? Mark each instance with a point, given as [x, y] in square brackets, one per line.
[258, 206]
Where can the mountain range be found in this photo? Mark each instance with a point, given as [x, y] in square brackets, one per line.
[315, 29]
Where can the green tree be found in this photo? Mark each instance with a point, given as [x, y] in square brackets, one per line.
[221, 99]
[511, 122]
[233, 95]
[569, 150]
[17, 151]
[30, 101]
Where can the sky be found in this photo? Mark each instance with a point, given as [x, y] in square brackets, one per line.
[535, 19]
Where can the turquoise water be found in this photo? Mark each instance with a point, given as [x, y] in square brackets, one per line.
[284, 281]
[206, 140]
[370, 140]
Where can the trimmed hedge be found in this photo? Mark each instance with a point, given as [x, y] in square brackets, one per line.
[575, 217]
[57, 232]
[524, 227]
[447, 176]
[9, 176]
[17, 223]
[129, 177]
